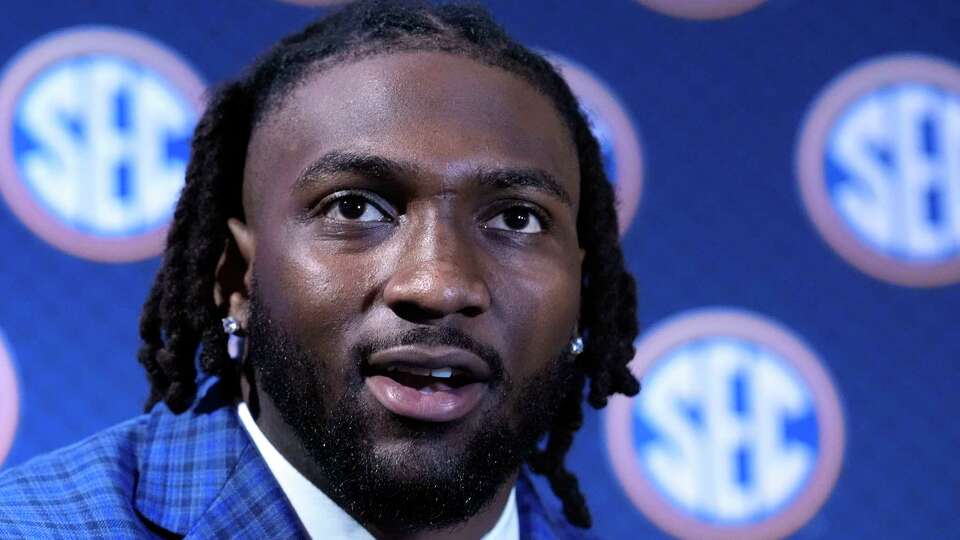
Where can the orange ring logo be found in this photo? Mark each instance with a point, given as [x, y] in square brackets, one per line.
[95, 125]
[702, 9]
[737, 434]
[878, 165]
[611, 125]
[9, 401]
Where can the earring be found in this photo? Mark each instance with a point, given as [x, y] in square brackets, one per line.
[235, 341]
[576, 346]
[230, 325]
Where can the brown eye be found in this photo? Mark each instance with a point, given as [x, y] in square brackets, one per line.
[354, 208]
[517, 219]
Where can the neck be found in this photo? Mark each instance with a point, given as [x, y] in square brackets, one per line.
[472, 529]
[279, 433]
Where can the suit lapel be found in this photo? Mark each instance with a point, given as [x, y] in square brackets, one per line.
[250, 505]
[201, 476]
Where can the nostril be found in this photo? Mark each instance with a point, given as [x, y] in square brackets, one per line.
[414, 312]
[471, 311]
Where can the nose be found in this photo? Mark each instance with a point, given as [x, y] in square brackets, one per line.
[437, 275]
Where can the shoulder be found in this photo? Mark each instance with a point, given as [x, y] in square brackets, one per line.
[77, 489]
[538, 520]
[157, 468]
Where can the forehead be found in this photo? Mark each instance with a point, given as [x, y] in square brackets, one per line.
[440, 111]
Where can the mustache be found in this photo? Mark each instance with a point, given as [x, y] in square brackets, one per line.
[433, 336]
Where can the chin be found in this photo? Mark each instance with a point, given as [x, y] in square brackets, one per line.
[418, 450]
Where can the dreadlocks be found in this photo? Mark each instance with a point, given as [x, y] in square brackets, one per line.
[180, 315]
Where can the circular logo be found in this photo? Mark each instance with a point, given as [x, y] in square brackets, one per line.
[9, 401]
[95, 127]
[878, 164]
[611, 125]
[738, 431]
[701, 9]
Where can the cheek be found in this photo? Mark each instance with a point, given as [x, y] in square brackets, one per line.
[310, 294]
[540, 310]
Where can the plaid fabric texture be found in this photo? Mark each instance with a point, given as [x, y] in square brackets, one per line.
[195, 475]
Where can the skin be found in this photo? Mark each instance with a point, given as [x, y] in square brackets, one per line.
[441, 255]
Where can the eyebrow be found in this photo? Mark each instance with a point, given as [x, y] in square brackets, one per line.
[385, 169]
[537, 179]
[335, 162]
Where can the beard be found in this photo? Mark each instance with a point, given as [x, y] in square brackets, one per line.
[430, 475]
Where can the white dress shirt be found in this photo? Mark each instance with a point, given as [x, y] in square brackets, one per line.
[321, 517]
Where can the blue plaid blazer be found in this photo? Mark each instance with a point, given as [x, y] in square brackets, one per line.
[195, 475]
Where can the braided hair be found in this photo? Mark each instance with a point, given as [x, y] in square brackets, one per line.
[180, 316]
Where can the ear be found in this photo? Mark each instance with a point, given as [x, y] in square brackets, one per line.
[234, 274]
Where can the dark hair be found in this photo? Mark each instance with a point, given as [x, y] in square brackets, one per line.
[180, 314]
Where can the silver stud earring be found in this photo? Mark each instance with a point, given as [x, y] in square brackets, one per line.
[230, 325]
[576, 346]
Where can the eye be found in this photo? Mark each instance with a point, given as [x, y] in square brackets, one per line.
[516, 219]
[354, 207]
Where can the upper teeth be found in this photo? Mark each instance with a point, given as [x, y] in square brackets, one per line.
[443, 373]
[440, 373]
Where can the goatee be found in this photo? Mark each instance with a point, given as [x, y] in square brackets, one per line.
[423, 482]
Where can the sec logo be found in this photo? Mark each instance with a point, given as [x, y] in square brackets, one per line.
[878, 165]
[95, 126]
[611, 125]
[9, 401]
[701, 9]
[737, 433]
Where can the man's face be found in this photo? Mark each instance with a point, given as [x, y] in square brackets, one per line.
[411, 234]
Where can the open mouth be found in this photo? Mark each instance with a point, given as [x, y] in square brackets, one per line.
[429, 384]
[427, 380]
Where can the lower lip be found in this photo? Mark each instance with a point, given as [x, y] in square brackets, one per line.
[440, 406]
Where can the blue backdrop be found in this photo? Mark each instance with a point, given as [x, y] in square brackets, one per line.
[719, 109]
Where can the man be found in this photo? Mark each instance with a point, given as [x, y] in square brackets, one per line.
[399, 217]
